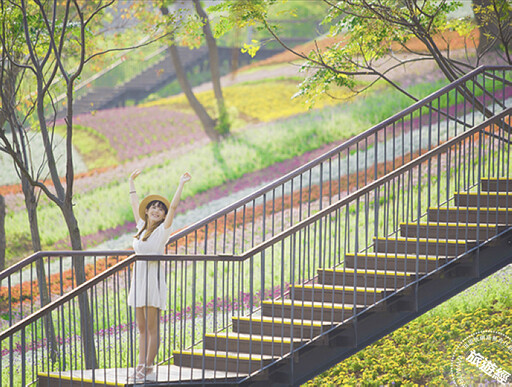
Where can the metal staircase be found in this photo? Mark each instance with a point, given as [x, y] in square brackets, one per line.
[346, 307]
[307, 270]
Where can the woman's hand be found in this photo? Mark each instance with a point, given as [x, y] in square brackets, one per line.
[185, 178]
[134, 174]
[134, 200]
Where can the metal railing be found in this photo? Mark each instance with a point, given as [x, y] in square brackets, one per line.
[224, 300]
[44, 276]
[360, 160]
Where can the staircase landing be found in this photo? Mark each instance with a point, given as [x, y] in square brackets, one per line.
[164, 376]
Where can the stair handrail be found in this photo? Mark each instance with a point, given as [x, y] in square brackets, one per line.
[57, 253]
[372, 186]
[80, 289]
[36, 273]
[65, 297]
[373, 131]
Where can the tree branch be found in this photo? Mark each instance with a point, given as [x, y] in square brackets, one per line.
[129, 48]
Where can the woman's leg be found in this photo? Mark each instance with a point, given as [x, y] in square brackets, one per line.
[140, 318]
[153, 328]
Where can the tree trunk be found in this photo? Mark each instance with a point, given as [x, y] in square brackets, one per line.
[207, 122]
[214, 65]
[31, 206]
[2, 233]
[64, 199]
[86, 326]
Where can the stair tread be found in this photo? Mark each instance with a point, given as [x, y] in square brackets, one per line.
[224, 354]
[341, 288]
[464, 208]
[286, 321]
[348, 270]
[454, 224]
[397, 256]
[309, 304]
[431, 240]
[482, 193]
[253, 337]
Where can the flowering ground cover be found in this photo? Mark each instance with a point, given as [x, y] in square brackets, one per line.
[140, 131]
[8, 174]
[420, 353]
[261, 101]
[211, 165]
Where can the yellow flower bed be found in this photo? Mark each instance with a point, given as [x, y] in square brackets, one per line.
[419, 353]
[257, 102]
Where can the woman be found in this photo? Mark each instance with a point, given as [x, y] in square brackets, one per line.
[148, 290]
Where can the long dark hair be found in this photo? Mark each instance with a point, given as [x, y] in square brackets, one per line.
[152, 228]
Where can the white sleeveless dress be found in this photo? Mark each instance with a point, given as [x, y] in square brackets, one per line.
[149, 275]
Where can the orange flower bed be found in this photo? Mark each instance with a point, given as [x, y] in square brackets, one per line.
[29, 290]
[16, 188]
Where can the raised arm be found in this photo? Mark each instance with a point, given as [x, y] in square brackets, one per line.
[176, 199]
[134, 199]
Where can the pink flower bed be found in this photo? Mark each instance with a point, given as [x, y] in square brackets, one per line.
[136, 131]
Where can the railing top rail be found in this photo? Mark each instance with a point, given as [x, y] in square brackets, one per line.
[103, 275]
[368, 133]
[373, 185]
[66, 297]
[60, 253]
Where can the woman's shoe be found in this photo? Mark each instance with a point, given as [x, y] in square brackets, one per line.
[138, 372]
[150, 374]
[142, 373]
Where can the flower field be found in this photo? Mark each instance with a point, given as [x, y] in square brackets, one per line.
[262, 101]
[210, 164]
[133, 132]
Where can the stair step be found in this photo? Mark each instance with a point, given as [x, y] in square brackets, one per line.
[486, 199]
[307, 310]
[494, 184]
[392, 262]
[279, 327]
[469, 215]
[221, 361]
[458, 231]
[365, 278]
[422, 246]
[337, 294]
[255, 344]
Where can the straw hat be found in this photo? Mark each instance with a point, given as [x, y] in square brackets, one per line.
[148, 199]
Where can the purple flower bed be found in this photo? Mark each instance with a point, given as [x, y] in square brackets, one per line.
[136, 131]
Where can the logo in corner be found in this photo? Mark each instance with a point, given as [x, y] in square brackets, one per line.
[483, 357]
